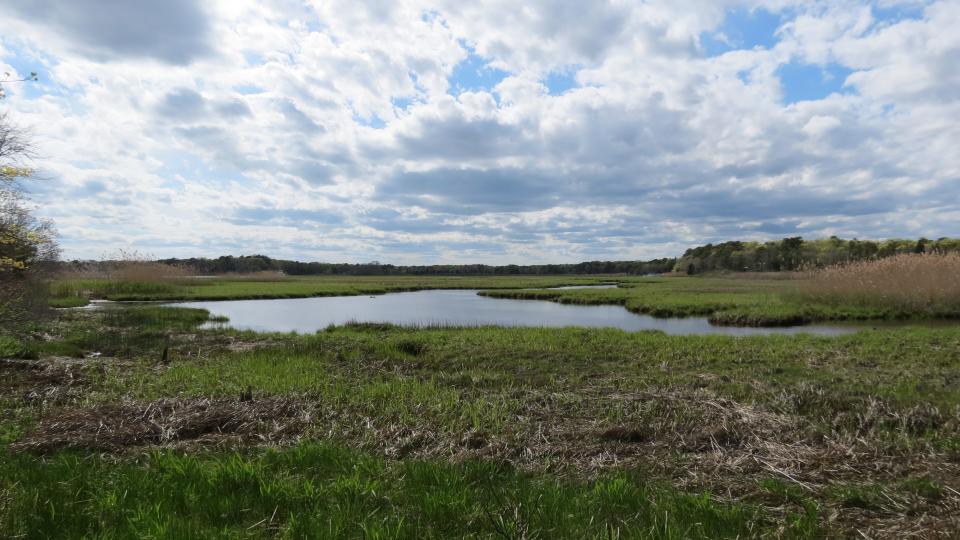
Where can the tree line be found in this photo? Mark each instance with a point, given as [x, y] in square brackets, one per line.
[788, 254]
[262, 263]
[795, 253]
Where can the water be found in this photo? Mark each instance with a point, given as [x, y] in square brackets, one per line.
[463, 308]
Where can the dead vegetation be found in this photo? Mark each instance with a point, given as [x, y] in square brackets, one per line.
[698, 440]
[914, 283]
[169, 422]
[54, 381]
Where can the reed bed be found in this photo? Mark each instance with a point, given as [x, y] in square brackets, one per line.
[132, 277]
[916, 284]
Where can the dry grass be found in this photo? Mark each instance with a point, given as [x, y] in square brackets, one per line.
[127, 266]
[145, 271]
[263, 275]
[168, 422]
[925, 283]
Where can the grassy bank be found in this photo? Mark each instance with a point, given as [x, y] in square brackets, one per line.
[70, 292]
[755, 300]
[487, 432]
[731, 301]
[742, 302]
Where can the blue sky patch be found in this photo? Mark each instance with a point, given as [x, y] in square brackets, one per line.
[401, 103]
[253, 58]
[558, 82]
[894, 14]
[248, 89]
[373, 121]
[474, 74]
[742, 29]
[24, 63]
[806, 82]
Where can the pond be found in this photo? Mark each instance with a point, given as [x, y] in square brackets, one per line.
[463, 308]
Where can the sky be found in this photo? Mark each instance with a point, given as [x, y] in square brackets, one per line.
[442, 131]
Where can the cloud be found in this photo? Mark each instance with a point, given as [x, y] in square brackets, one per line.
[349, 131]
[471, 191]
[173, 31]
[182, 104]
[258, 216]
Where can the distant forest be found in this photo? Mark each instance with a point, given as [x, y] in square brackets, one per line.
[797, 254]
[260, 263]
[780, 255]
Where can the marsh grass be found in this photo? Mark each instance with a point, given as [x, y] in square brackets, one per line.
[272, 285]
[792, 435]
[323, 490]
[789, 429]
[11, 347]
[131, 274]
[124, 331]
[909, 284]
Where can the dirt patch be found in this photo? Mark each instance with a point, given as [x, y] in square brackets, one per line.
[168, 422]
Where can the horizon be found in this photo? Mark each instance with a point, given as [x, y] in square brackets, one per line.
[429, 132]
[150, 258]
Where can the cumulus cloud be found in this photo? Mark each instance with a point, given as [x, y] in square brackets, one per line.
[435, 131]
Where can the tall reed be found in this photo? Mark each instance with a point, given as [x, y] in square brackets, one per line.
[921, 283]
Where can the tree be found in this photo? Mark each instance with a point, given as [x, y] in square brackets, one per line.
[28, 248]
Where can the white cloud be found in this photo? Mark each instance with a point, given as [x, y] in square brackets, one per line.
[327, 130]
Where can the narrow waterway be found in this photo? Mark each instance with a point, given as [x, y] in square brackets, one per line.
[464, 308]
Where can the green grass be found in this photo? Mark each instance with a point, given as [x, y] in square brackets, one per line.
[68, 301]
[407, 432]
[725, 300]
[127, 330]
[103, 288]
[322, 490]
[11, 347]
[446, 367]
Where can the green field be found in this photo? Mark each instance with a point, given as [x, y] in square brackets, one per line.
[386, 432]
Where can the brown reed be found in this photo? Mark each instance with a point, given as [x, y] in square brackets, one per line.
[911, 282]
